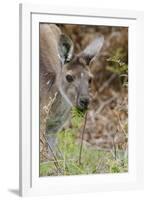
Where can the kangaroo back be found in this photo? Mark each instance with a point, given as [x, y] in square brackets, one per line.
[49, 64]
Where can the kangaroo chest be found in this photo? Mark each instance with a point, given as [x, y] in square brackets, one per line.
[58, 115]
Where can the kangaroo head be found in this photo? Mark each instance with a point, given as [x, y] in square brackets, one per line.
[75, 77]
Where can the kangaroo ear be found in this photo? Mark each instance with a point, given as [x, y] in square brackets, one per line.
[66, 48]
[92, 49]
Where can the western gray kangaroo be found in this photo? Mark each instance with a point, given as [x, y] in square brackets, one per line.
[64, 79]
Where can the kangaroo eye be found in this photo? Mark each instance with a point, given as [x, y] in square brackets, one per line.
[69, 78]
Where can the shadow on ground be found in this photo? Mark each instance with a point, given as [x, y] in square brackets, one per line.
[14, 191]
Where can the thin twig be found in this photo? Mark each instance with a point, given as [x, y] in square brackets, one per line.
[62, 157]
[104, 104]
[81, 146]
[121, 126]
[107, 83]
[114, 147]
[55, 159]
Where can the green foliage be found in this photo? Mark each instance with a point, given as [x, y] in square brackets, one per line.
[93, 161]
[117, 66]
[118, 69]
[77, 117]
[118, 165]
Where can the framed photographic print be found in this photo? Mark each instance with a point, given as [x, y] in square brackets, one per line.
[81, 100]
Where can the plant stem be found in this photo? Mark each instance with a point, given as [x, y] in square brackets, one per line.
[55, 159]
[81, 146]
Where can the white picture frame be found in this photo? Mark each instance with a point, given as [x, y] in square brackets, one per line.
[30, 182]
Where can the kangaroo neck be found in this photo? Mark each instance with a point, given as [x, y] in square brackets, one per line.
[59, 114]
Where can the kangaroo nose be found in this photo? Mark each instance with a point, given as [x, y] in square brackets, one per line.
[84, 101]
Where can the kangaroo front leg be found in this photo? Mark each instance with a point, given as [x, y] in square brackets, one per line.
[52, 145]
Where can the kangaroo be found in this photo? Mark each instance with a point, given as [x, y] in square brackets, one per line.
[64, 80]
